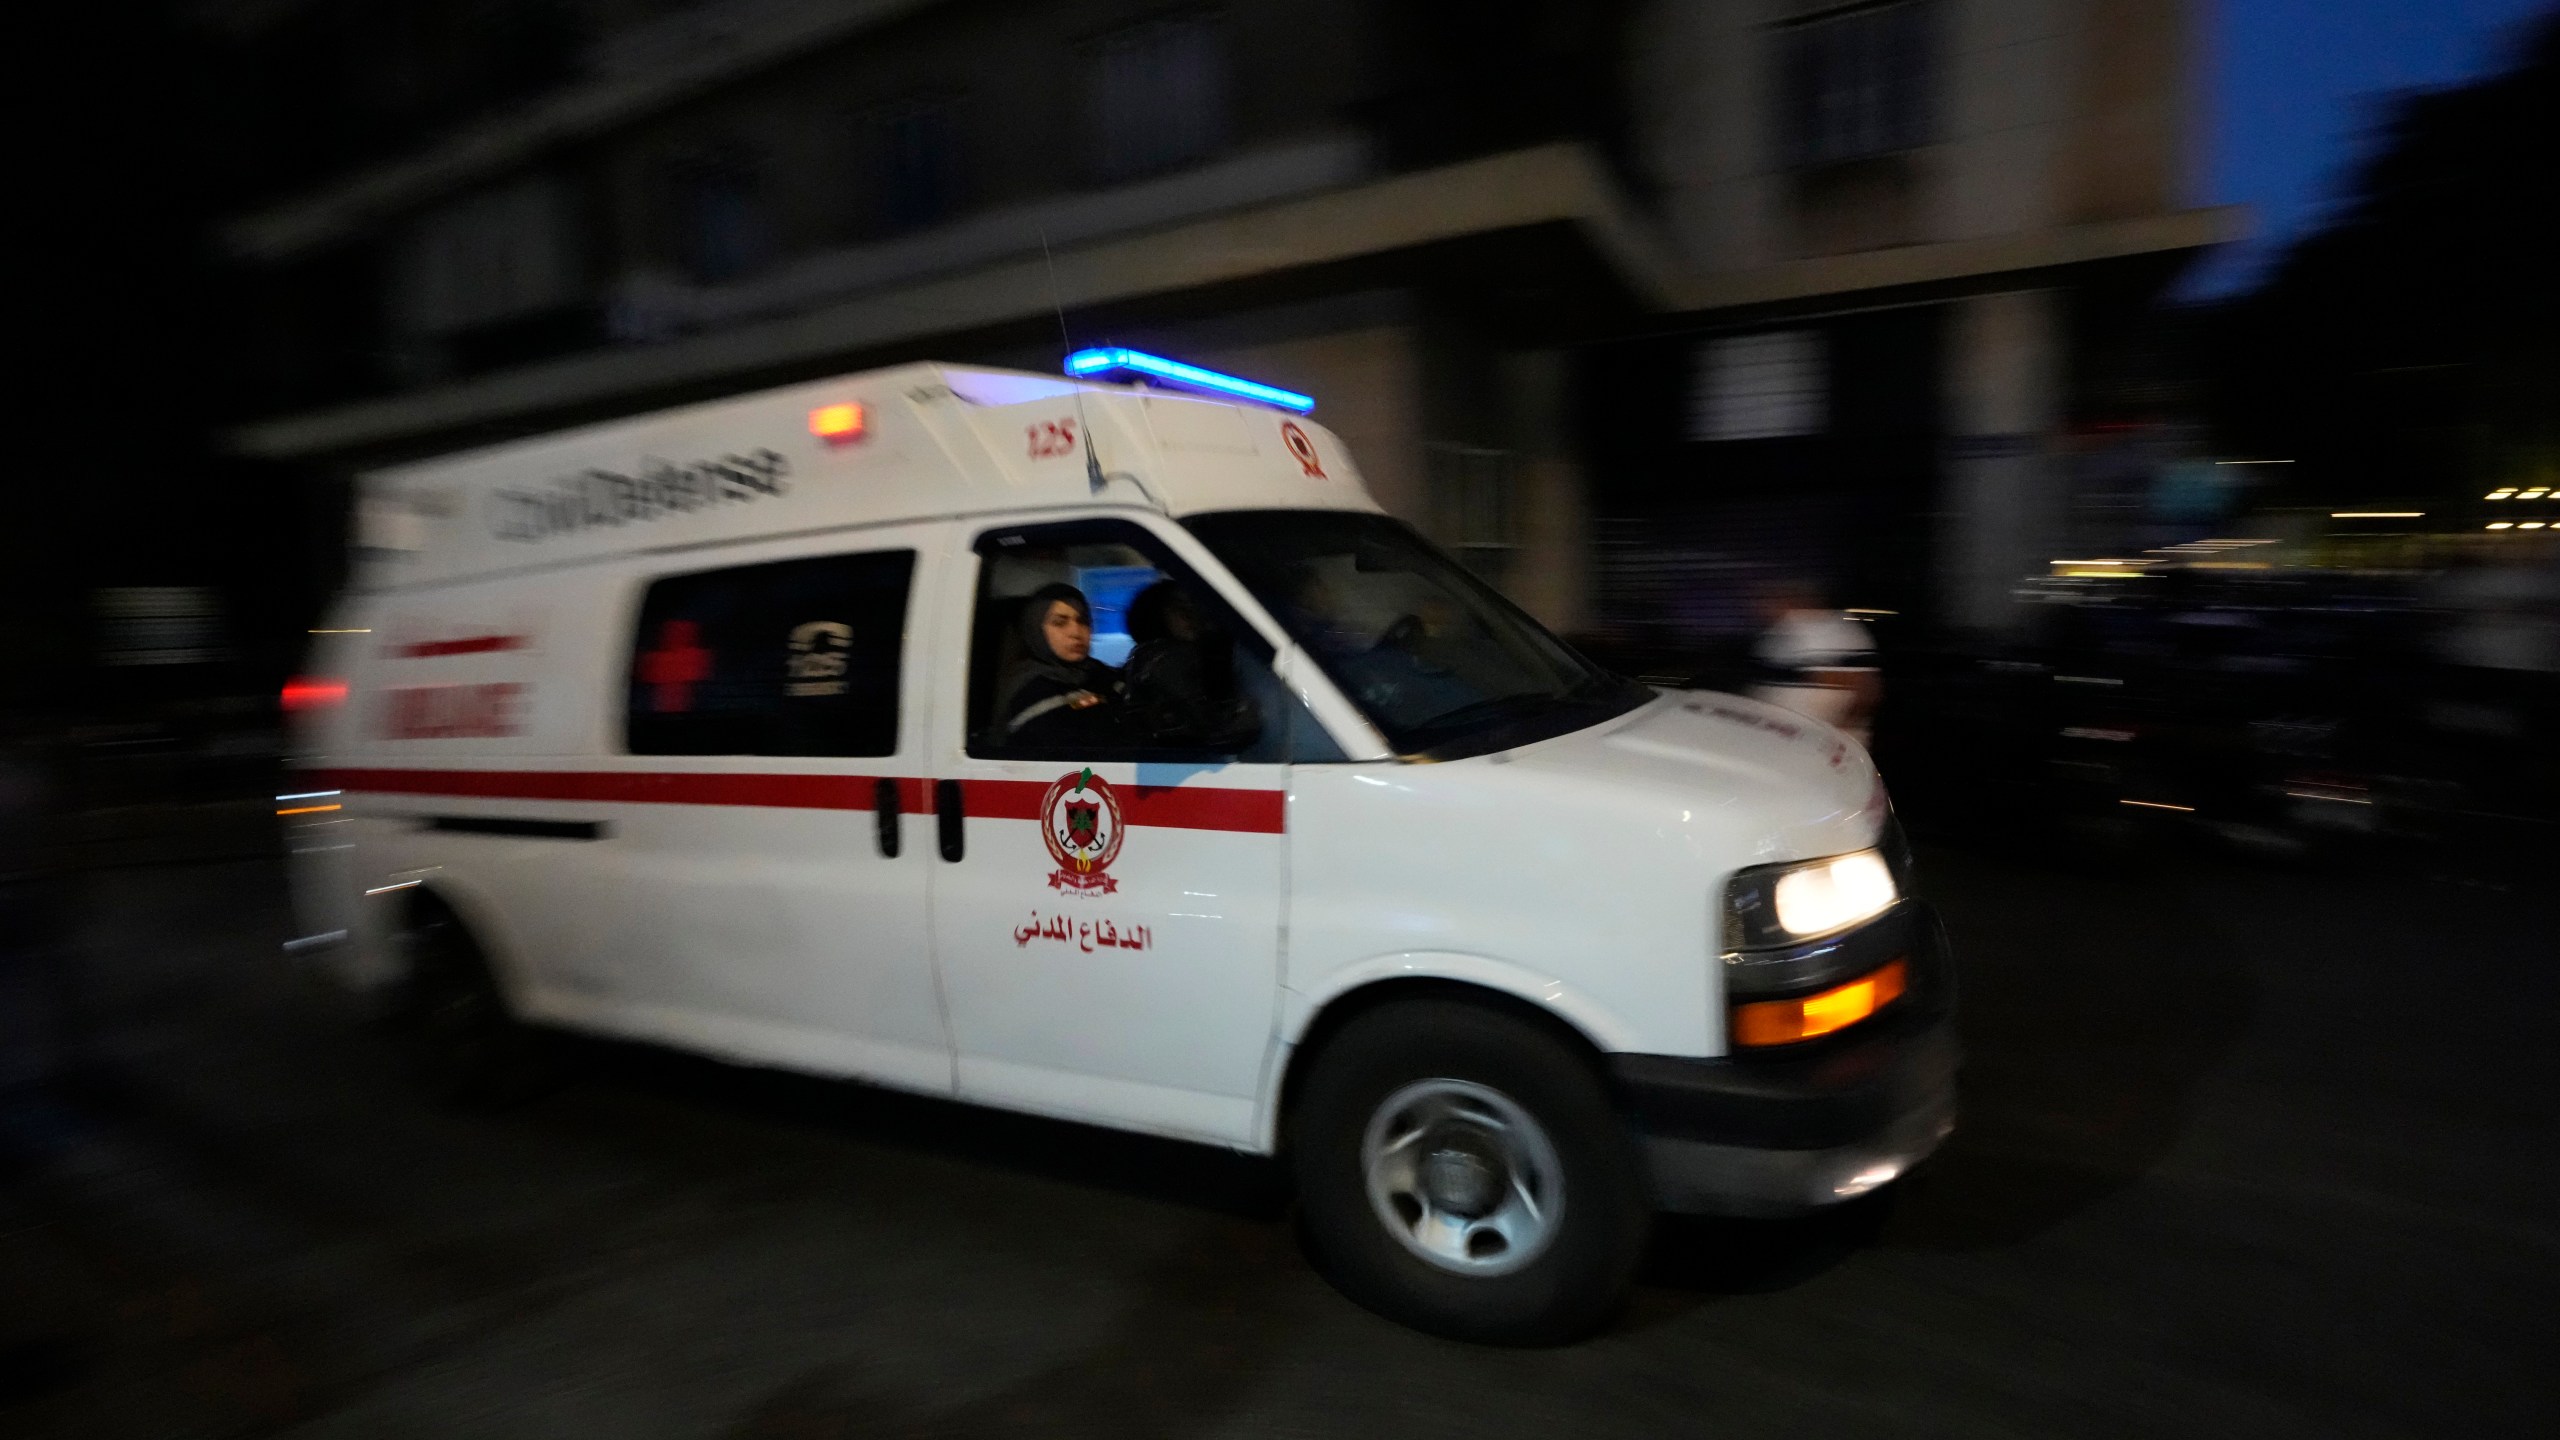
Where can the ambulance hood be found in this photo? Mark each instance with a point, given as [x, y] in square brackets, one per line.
[1731, 778]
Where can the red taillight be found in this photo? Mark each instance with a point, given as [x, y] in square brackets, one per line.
[305, 693]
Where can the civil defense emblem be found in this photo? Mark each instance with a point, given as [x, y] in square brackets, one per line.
[1080, 818]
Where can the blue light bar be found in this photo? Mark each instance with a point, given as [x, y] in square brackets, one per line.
[1156, 367]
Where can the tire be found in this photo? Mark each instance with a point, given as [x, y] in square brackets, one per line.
[1413, 1118]
[466, 1048]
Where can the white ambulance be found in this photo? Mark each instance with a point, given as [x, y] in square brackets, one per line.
[1108, 754]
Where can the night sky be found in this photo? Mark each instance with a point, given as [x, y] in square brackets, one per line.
[2296, 85]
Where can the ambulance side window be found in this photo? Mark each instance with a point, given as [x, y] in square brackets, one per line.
[799, 657]
[1166, 672]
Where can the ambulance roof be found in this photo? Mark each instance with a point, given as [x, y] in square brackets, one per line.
[909, 443]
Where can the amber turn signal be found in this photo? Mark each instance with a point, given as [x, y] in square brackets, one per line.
[838, 424]
[1783, 1022]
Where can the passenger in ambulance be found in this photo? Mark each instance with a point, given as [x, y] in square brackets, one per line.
[1179, 686]
[1055, 693]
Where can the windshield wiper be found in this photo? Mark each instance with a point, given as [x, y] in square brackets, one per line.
[1476, 712]
[1598, 688]
[1599, 685]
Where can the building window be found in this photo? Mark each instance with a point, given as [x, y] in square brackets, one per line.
[1759, 387]
[918, 145]
[723, 229]
[1471, 507]
[1158, 96]
[1855, 82]
[795, 658]
[495, 256]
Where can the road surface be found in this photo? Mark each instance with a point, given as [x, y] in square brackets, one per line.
[2245, 1151]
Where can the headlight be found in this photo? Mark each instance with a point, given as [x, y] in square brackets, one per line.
[1781, 904]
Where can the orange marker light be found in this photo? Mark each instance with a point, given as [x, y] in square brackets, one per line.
[1784, 1022]
[837, 424]
[302, 693]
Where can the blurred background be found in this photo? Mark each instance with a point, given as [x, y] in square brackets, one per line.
[2204, 353]
[2168, 392]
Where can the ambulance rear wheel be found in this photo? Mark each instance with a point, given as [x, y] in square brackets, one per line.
[465, 1045]
[1462, 1171]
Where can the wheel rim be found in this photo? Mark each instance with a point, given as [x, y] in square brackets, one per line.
[1463, 1177]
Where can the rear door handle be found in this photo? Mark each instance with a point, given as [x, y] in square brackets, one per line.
[946, 814]
[884, 809]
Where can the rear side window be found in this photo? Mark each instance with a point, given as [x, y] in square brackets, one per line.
[794, 658]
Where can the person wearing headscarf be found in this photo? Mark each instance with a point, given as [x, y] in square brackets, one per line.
[1056, 693]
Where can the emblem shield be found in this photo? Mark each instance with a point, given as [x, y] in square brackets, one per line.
[1080, 819]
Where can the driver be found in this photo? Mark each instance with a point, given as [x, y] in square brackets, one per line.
[1057, 693]
[1314, 612]
[1180, 680]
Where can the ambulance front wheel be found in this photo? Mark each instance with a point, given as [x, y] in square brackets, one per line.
[465, 1045]
[1462, 1170]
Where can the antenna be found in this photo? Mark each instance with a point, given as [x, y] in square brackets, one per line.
[1093, 477]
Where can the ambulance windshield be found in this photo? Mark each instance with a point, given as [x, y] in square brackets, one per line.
[1440, 663]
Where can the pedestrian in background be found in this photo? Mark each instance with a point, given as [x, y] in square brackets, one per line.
[1814, 660]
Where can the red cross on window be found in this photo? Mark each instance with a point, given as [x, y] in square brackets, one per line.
[675, 667]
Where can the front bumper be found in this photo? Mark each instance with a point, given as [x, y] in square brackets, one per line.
[1784, 1131]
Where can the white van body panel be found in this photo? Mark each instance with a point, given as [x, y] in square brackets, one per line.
[1045, 1014]
[760, 930]
[725, 927]
[1583, 874]
[749, 469]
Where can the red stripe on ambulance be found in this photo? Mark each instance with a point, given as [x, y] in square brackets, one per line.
[464, 645]
[1258, 812]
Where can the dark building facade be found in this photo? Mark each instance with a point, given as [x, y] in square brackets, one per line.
[1617, 300]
